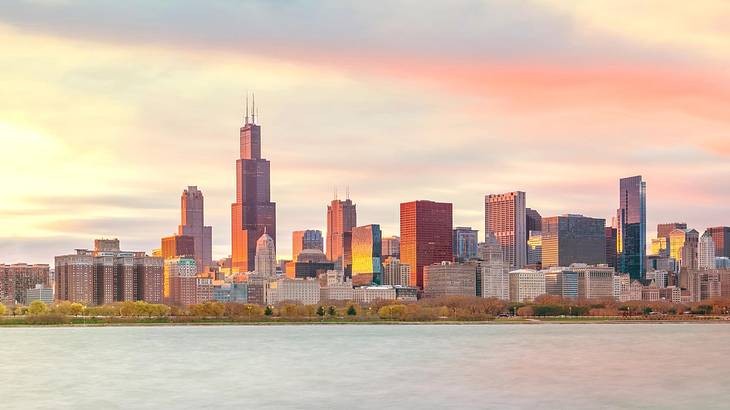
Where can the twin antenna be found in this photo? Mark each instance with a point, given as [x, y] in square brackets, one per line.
[347, 192]
[254, 111]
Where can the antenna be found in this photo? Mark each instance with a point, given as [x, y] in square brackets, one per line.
[246, 123]
[335, 187]
[253, 109]
[347, 192]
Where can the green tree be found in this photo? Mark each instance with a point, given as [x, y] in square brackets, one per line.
[268, 311]
[332, 311]
[320, 311]
[351, 311]
[37, 308]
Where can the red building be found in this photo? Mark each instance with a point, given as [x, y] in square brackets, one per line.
[253, 213]
[425, 236]
[16, 279]
[178, 245]
[341, 218]
[721, 237]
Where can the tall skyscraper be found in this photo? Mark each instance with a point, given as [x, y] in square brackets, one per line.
[425, 236]
[341, 218]
[534, 220]
[192, 223]
[631, 227]
[465, 243]
[683, 248]
[611, 234]
[505, 217]
[721, 237]
[494, 272]
[309, 239]
[367, 262]
[391, 246]
[706, 251]
[265, 264]
[569, 239]
[253, 213]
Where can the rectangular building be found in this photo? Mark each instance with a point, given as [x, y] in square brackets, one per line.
[505, 217]
[526, 284]
[450, 279]
[569, 239]
[426, 236]
[367, 263]
[18, 278]
[465, 242]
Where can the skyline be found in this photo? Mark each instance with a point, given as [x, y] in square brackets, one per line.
[95, 146]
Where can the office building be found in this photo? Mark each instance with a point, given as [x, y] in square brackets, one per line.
[611, 238]
[465, 242]
[493, 270]
[450, 279]
[504, 216]
[534, 248]
[365, 295]
[706, 251]
[177, 245]
[341, 218]
[683, 245]
[192, 224]
[367, 263]
[18, 278]
[265, 263]
[391, 247]
[310, 264]
[721, 237]
[425, 236]
[395, 272]
[180, 279]
[594, 282]
[39, 292]
[526, 284]
[304, 291]
[569, 239]
[560, 281]
[253, 213]
[533, 221]
[309, 239]
[659, 277]
[631, 227]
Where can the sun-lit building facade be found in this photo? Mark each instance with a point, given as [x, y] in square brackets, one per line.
[367, 263]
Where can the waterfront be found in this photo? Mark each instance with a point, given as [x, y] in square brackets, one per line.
[365, 366]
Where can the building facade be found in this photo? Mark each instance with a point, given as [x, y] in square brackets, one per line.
[18, 278]
[367, 262]
[504, 216]
[395, 272]
[391, 247]
[265, 263]
[526, 284]
[569, 239]
[721, 237]
[561, 282]
[341, 218]
[631, 227]
[706, 251]
[494, 270]
[425, 236]
[465, 243]
[309, 239]
[192, 223]
[450, 279]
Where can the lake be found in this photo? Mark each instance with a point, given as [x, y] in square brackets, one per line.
[549, 366]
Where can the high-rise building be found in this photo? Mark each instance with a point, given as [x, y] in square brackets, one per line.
[426, 236]
[310, 264]
[683, 245]
[309, 239]
[395, 272]
[465, 243]
[706, 252]
[611, 238]
[178, 245]
[526, 284]
[533, 221]
[18, 278]
[504, 216]
[450, 279]
[341, 218]
[663, 230]
[180, 279]
[391, 246]
[265, 264]
[192, 223]
[253, 213]
[631, 225]
[721, 237]
[494, 276]
[534, 248]
[367, 262]
[107, 275]
[569, 239]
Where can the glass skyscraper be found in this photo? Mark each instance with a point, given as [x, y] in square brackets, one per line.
[631, 227]
[367, 264]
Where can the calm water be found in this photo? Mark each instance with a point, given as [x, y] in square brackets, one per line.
[358, 367]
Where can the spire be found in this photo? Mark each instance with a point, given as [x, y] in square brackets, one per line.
[253, 108]
[347, 192]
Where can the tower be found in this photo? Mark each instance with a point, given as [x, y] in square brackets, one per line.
[631, 228]
[505, 217]
[265, 264]
[253, 213]
[341, 218]
[426, 236]
[192, 224]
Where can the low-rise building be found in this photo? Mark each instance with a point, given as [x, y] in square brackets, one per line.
[450, 279]
[406, 293]
[526, 284]
[304, 291]
[368, 294]
[39, 292]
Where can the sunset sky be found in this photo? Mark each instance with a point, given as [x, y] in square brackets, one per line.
[110, 109]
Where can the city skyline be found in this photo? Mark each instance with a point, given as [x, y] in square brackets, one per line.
[121, 153]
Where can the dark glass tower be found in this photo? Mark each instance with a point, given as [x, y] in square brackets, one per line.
[631, 227]
[253, 213]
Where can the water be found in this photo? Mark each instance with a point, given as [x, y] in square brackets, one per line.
[367, 366]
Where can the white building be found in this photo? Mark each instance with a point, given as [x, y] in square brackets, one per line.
[621, 284]
[526, 284]
[265, 262]
[495, 279]
[304, 291]
[706, 252]
[39, 292]
[368, 294]
[660, 278]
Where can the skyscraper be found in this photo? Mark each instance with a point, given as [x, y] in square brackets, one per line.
[425, 236]
[683, 248]
[253, 213]
[505, 217]
[309, 239]
[367, 263]
[265, 264]
[341, 218]
[534, 220]
[465, 243]
[631, 227]
[706, 252]
[721, 237]
[569, 239]
[391, 246]
[192, 223]
[494, 272]
[611, 237]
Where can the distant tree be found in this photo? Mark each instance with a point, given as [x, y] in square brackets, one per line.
[320, 311]
[331, 311]
[3, 309]
[351, 311]
[37, 308]
[268, 311]
[76, 309]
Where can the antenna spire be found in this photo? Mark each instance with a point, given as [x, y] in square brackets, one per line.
[253, 108]
[246, 123]
[335, 189]
[347, 192]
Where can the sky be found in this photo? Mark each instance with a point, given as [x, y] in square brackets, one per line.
[110, 109]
